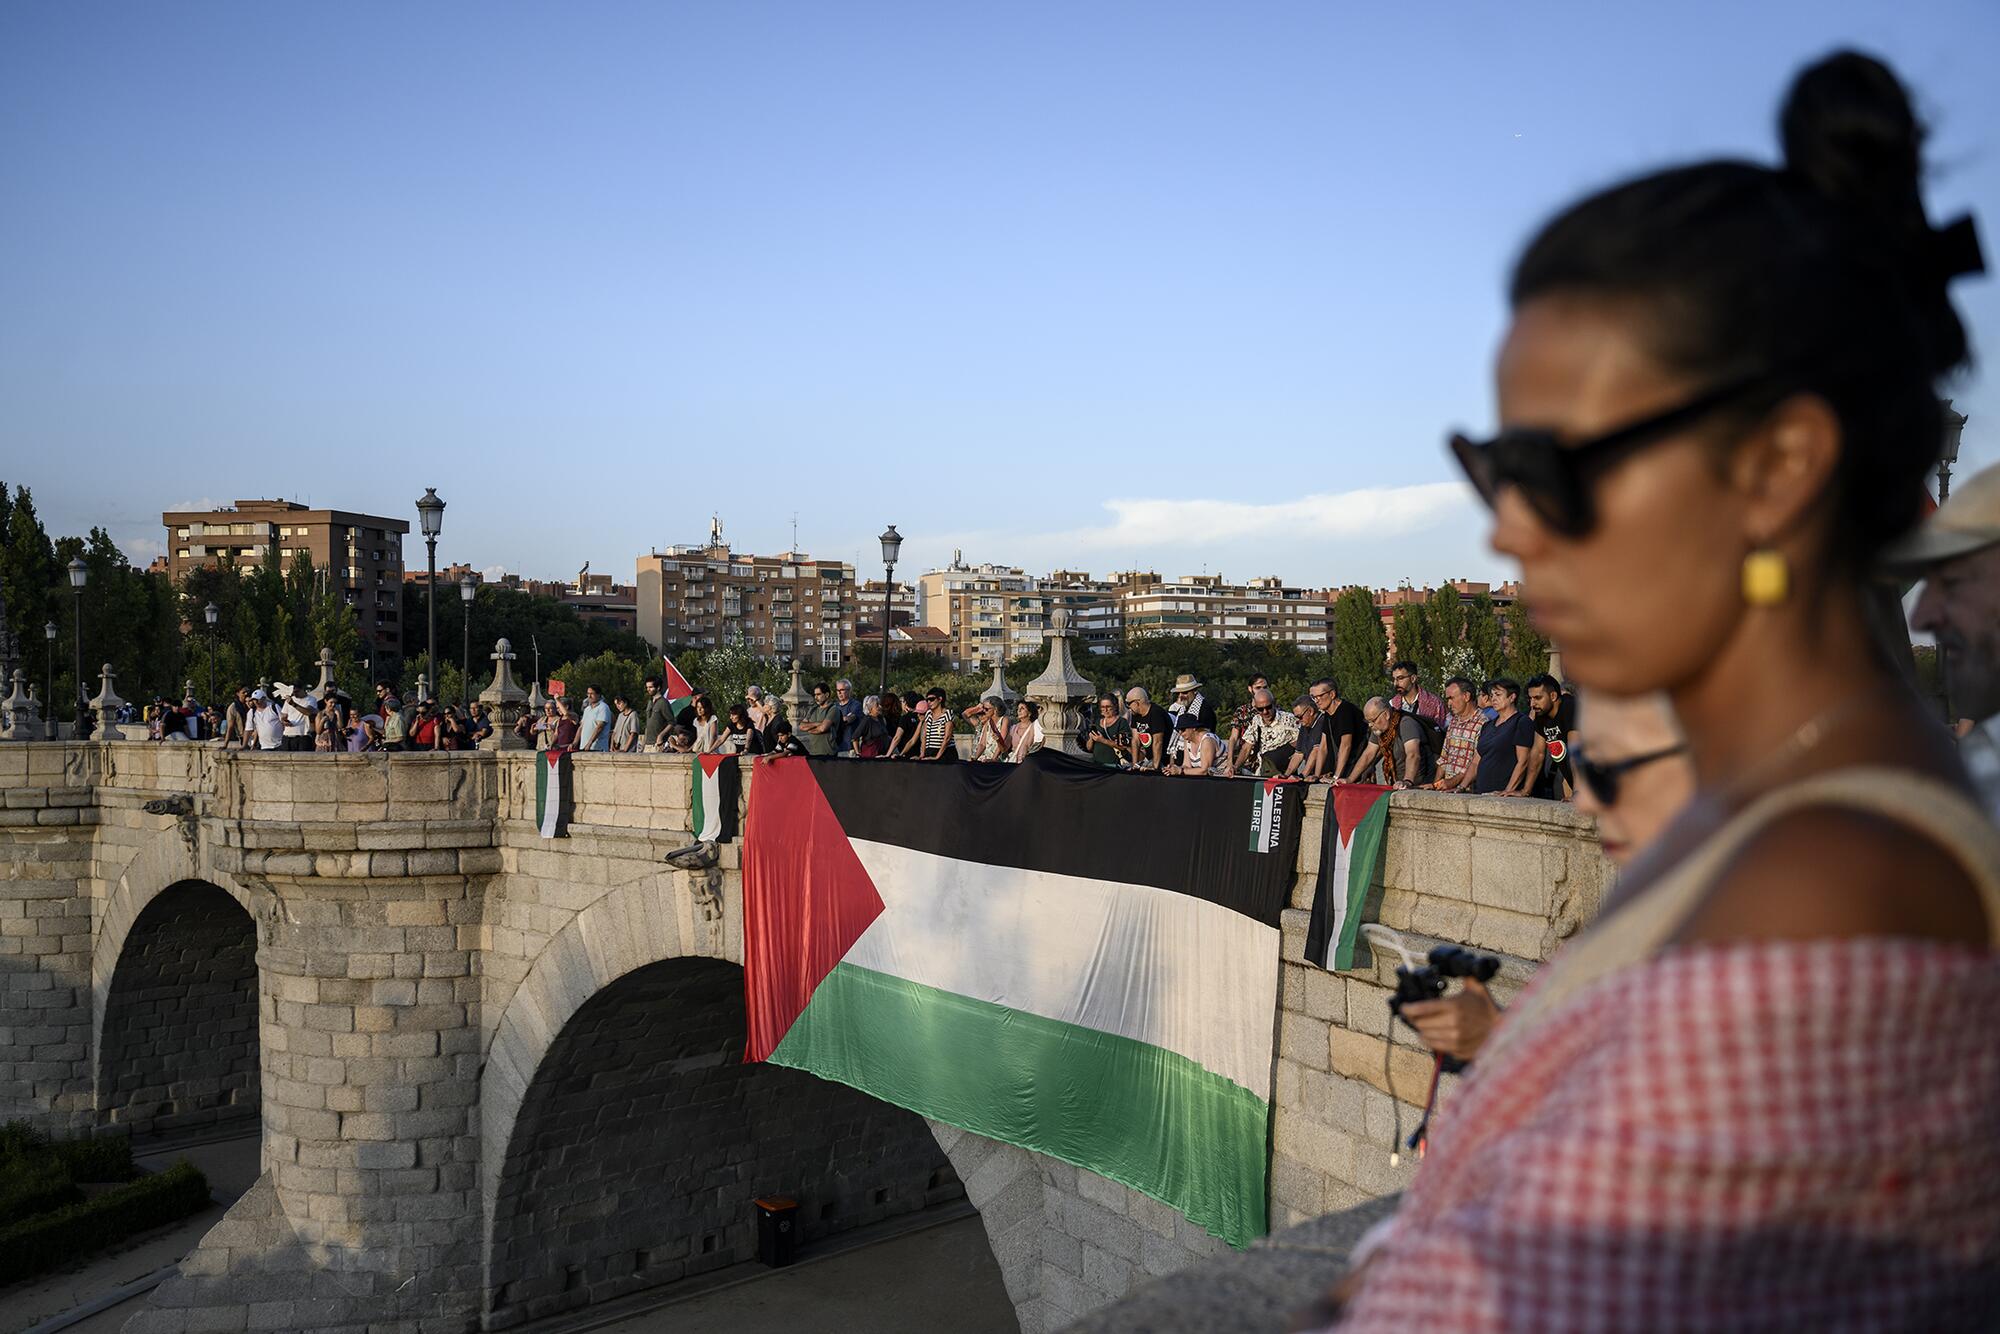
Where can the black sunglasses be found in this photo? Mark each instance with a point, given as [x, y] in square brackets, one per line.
[1555, 480]
[1603, 778]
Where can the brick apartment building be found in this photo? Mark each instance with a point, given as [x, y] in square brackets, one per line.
[361, 553]
[788, 606]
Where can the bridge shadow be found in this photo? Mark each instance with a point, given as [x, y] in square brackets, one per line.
[643, 1138]
[178, 1052]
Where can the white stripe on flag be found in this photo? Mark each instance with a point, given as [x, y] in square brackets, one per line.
[1148, 964]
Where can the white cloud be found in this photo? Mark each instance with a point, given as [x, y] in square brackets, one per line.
[141, 550]
[1331, 515]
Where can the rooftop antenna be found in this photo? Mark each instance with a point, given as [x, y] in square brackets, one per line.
[795, 532]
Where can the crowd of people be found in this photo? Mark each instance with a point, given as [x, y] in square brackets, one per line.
[1480, 738]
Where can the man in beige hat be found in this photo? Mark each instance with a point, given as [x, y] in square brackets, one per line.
[1188, 702]
[1957, 550]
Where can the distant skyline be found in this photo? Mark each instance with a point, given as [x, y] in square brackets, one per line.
[1165, 286]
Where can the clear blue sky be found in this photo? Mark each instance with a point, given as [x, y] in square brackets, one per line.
[1019, 278]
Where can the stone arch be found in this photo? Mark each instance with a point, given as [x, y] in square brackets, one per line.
[627, 933]
[178, 1042]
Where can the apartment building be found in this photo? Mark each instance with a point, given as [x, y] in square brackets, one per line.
[362, 554]
[1205, 606]
[788, 606]
[864, 615]
[989, 612]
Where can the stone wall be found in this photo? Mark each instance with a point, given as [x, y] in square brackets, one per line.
[180, 1024]
[1509, 877]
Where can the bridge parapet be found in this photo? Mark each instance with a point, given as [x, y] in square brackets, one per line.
[420, 948]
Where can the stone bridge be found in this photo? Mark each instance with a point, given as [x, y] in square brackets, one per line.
[498, 1077]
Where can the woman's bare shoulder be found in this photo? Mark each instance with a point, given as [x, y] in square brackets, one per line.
[1824, 872]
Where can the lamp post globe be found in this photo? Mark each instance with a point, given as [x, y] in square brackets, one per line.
[430, 517]
[467, 590]
[79, 575]
[211, 613]
[49, 685]
[892, 546]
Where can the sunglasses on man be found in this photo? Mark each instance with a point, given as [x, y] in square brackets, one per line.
[1556, 479]
[1603, 778]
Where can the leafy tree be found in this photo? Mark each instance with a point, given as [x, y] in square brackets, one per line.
[1360, 645]
[1527, 651]
[612, 673]
[128, 621]
[1413, 641]
[34, 586]
[1482, 638]
[1445, 616]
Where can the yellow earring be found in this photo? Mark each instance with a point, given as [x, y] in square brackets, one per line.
[1767, 580]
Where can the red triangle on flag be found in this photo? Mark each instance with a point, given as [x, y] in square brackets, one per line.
[678, 691]
[806, 899]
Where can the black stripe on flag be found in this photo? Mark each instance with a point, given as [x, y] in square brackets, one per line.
[1067, 816]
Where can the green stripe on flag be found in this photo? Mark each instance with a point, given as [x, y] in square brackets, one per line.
[1364, 860]
[1136, 1113]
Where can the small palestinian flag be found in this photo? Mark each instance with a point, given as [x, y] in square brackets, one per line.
[1103, 991]
[718, 783]
[677, 690]
[1270, 813]
[1348, 864]
[554, 785]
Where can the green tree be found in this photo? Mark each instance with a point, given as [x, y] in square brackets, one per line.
[35, 588]
[1527, 651]
[1413, 641]
[1483, 657]
[129, 621]
[613, 674]
[1444, 626]
[1360, 645]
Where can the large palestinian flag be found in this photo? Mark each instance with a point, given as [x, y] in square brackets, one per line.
[554, 786]
[718, 783]
[1067, 958]
[1350, 856]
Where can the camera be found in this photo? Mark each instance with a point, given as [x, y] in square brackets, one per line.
[1429, 982]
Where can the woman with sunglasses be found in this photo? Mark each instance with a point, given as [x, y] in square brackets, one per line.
[1634, 777]
[1763, 1087]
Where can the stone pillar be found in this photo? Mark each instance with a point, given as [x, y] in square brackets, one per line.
[1062, 693]
[325, 686]
[106, 705]
[1000, 687]
[797, 696]
[423, 687]
[23, 719]
[504, 700]
[369, 1019]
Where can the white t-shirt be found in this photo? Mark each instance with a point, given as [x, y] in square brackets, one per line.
[269, 725]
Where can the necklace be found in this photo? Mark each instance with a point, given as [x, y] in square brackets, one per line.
[1795, 747]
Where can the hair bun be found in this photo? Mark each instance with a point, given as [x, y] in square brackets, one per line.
[1850, 133]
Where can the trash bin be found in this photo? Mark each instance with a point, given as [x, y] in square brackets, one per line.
[777, 1230]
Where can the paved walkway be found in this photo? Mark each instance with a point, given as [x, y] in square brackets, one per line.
[231, 1167]
[941, 1277]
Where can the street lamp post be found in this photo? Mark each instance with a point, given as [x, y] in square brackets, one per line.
[49, 687]
[430, 514]
[209, 614]
[1954, 427]
[892, 544]
[466, 590]
[79, 575]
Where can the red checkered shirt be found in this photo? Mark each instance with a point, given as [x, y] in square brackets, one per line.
[1775, 1136]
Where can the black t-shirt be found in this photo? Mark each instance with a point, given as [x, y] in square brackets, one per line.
[1120, 746]
[749, 741]
[1310, 735]
[1155, 723]
[870, 737]
[1408, 729]
[1343, 719]
[1497, 743]
[1555, 731]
